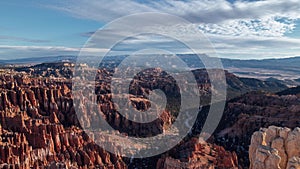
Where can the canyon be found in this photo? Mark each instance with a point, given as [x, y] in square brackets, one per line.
[39, 127]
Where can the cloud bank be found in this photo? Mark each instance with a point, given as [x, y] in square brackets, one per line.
[238, 29]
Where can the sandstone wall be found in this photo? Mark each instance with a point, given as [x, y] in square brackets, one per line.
[275, 148]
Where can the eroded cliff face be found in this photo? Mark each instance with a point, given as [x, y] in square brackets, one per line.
[275, 148]
[39, 128]
[197, 153]
[247, 114]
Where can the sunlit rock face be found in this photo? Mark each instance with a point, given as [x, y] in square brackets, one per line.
[197, 153]
[248, 113]
[39, 128]
[275, 148]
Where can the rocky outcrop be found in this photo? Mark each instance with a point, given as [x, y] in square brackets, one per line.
[247, 114]
[197, 153]
[275, 148]
[39, 128]
[294, 163]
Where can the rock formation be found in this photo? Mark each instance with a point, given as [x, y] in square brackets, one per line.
[246, 114]
[275, 148]
[197, 153]
[39, 127]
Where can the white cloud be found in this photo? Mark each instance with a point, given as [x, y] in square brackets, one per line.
[255, 27]
[204, 11]
[267, 27]
[104, 10]
[15, 38]
[17, 52]
[33, 48]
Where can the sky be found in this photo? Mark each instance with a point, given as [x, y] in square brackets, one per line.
[236, 29]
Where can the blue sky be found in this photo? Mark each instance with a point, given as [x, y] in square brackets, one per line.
[34, 24]
[237, 29]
